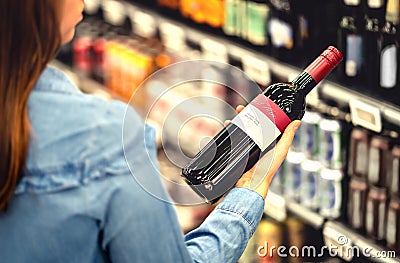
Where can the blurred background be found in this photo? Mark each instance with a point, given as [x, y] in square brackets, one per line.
[339, 185]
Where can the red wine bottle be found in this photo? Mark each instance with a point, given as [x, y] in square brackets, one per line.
[254, 131]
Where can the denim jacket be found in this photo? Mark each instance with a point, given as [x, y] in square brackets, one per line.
[92, 192]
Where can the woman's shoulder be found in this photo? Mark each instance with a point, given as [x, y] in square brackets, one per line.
[76, 136]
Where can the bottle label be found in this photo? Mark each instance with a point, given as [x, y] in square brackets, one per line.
[374, 165]
[394, 186]
[262, 120]
[283, 5]
[231, 16]
[357, 214]
[392, 11]
[375, 3]
[281, 33]
[352, 2]
[241, 21]
[391, 230]
[361, 158]
[388, 67]
[258, 14]
[381, 220]
[354, 55]
[369, 219]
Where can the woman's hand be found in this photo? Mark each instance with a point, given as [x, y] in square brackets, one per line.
[259, 177]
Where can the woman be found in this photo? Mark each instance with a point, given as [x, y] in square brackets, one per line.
[67, 193]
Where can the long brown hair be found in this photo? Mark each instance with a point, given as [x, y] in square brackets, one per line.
[29, 39]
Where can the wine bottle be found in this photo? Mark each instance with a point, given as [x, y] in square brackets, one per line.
[350, 40]
[389, 73]
[254, 131]
[283, 30]
[374, 21]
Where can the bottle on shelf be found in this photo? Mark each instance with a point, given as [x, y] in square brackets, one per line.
[239, 145]
[350, 40]
[231, 18]
[389, 69]
[393, 223]
[393, 170]
[379, 151]
[373, 23]
[375, 216]
[324, 20]
[358, 152]
[257, 19]
[356, 210]
[283, 30]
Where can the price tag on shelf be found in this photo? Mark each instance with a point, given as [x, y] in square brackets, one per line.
[213, 50]
[365, 115]
[257, 69]
[92, 6]
[275, 206]
[172, 36]
[114, 12]
[143, 24]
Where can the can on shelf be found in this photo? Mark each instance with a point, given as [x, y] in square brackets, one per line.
[276, 185]
[330, 143]
[331, 189]
[309, 135]
[309, 190]
[292, 178]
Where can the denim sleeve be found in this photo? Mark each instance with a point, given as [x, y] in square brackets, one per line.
[147, 230]
[224, 234]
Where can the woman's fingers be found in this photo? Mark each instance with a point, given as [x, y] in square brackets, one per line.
[260, 175]
[239, 108]
[283, 145]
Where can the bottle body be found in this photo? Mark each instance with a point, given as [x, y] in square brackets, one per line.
[252, 133]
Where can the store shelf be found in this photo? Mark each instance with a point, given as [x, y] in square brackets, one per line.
[348, 244]
[256, 64]
[278, 208]
[363, 110]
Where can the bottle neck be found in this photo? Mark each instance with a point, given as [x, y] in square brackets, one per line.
[304, 83]
[317, 70]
